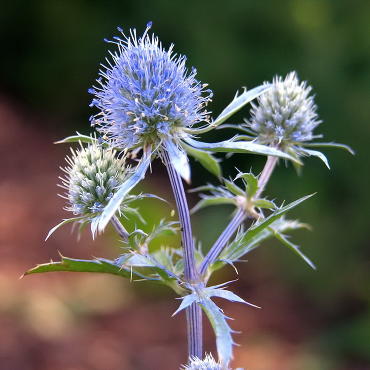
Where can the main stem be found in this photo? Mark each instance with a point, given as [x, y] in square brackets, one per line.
[238, 219]
[194, 312]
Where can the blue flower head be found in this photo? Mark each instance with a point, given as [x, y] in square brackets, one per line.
[146, 94]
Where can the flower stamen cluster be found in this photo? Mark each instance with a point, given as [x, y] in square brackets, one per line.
[146, 94]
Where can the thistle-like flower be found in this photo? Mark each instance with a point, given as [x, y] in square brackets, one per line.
[92, 177]
[285, 114]
[146, 95]
[148, 100]
[208, 363]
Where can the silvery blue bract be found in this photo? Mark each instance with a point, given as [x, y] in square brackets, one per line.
[208, 363]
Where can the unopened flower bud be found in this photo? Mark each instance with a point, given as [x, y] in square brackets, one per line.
[286, 113]
[92, 177]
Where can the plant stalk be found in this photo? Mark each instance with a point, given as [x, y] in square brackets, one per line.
[191, 275]
[266, 174]
[122, 232]
[238, 219]
[222, 240]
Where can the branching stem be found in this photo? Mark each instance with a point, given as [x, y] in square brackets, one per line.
[122, 232]
[237, 220]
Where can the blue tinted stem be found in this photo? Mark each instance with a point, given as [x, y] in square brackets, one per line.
[222, 240]
[122, 232]
[238, 219]
[191, 275]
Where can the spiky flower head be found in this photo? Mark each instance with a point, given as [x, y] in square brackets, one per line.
[208, 363]
[285, 114]
[146, 94]
[92, 177]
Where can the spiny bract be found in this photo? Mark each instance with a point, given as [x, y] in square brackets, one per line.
[208, 363]
[146, 94]
[285, 114]
[93, 176]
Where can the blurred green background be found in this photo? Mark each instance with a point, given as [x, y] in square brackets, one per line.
[50, 56]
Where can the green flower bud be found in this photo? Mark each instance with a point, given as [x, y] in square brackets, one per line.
[93, 176]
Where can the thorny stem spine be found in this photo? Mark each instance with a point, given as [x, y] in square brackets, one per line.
[239, 217]
[194, 312]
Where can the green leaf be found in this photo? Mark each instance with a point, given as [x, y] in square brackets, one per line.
[234, 188]
[317, 154]
[252, 183]
[64, 222]
[76, 139]
[238, 103]
[206, 202]
[208, 187]
[294, 248]
[100, 222]
[331, 145]
[264, 203]
[98, 265]
[207, 160]
[230, 146]
[179, 159]
[250, 238]
[151, 269]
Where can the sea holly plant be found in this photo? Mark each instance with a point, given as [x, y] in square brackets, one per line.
[149, 105]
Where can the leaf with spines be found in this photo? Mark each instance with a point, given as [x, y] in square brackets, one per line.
[217, 318]
[97, 265]
[239, 247]
[295, 248]
[264, 203]
[99, 223]
[251, 183]
[79, 138]
[234, 146]
[237, 103]
[206, 159]
[233, 188]
[331, 145]
[250, 239]
[64, 222]
[315, 153]
[214, 201]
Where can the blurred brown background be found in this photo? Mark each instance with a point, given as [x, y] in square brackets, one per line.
[310, 320]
